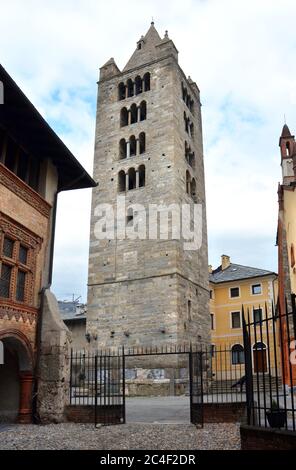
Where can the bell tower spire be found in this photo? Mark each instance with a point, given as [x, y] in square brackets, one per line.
[286, 144]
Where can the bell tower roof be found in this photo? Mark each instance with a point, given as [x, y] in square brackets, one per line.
[146, 48]
[286, 132]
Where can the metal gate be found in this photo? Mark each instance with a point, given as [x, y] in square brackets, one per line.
[110, 389]
[196, 387]
[97, 381]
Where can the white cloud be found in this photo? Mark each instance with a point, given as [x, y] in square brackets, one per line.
[240, 53]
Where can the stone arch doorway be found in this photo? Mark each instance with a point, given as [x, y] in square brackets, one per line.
[16, 378]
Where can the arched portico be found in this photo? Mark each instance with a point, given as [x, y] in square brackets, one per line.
[16, 378]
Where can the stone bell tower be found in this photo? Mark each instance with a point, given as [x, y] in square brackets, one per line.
[148, 150]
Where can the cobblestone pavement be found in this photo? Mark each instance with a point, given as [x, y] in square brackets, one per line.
[128, 436]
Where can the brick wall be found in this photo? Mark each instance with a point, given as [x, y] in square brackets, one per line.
[255, 438]
[86, 414]
[224, 412]
[80, 414]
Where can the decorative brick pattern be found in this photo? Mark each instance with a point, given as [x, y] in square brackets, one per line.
[21, 189]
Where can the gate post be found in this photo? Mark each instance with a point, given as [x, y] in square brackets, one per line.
[248, 370]
[190, 382]
[123, 386]
[96, 386]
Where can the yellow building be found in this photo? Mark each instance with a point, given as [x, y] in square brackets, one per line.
[234, 287]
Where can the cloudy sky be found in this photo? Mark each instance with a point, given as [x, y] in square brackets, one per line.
[241, 54]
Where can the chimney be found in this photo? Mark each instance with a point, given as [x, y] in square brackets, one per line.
[210, 269]
[225, 262]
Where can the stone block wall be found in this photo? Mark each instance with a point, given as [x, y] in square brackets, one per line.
[152, 291]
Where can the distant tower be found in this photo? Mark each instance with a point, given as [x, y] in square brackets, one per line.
[287, 146]
[148, 147]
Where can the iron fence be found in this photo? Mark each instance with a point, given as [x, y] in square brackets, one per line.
[269, 336]
[96, 378]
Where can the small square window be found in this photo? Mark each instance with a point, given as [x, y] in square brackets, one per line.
[234, 292]
[8, 247]
[130, 221]
[23, 255]
[211, 294]
[257, 315]
[256, 289]
[235, 320]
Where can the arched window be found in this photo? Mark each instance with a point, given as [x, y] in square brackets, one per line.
[189, 310]
[142, 140]
[121, 181]
[121, 91]
[189, 155]
[131, 178]
[123, 117]
[143, 111]
[133, 146]
[142, 176]
[184, 92]
[130, 88]
[134, 113]
[139, 87]
[193, 189]
[188, 180]
[146, 79]
[192, 129]
[191, 106]
[237, 354]
[259, 345]
[288, 149]
[186, 122]
[191, 159]
[122, 149]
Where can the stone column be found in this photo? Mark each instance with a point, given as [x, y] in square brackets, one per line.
[128, 149]
[54, 367]
[126, 93]
[137, 179]
[126, 181]
[135, 89]
[139, 114]
[129, 117]
[26, 386]
[137, 147]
